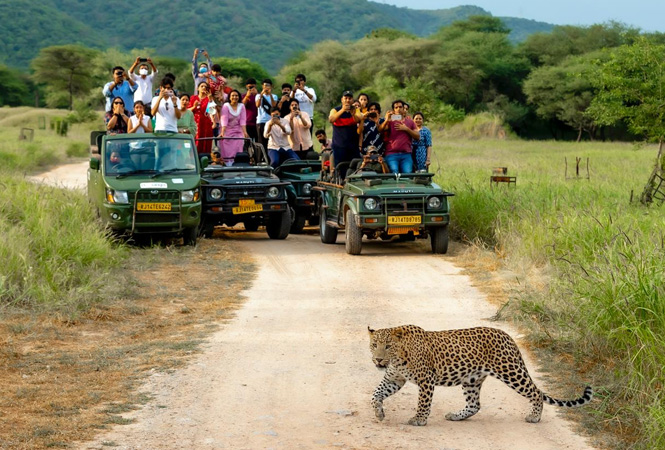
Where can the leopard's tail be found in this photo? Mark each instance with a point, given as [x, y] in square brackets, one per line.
[583, 400]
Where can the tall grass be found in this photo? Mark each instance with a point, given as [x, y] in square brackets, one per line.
[605, 258]
[54, 254]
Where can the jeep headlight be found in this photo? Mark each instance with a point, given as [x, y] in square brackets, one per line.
[113, 196]
[371, 204]
[434, 203]
[307, 188]
[189, 196]
[273, 192]
[215, 194]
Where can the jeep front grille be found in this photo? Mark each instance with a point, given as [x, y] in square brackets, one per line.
[404, 204]
[157, 195]
[237, 193]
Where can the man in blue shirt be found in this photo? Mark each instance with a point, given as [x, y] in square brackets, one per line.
[122, 86]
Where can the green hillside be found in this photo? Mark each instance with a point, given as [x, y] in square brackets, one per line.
[269, 32]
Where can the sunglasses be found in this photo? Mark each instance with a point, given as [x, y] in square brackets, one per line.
[251, 87]
[119, 73]
[118, 103]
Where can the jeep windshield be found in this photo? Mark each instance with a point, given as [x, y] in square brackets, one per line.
[154, 156]
[228, 173]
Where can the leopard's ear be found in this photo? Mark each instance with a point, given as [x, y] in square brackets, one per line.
[397, 334]
[370, 330]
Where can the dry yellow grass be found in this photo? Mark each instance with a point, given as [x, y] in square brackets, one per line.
[62, 380]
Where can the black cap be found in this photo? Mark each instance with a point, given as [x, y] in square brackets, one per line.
[347, 94]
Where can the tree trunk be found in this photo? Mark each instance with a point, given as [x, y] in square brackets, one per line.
[579, 134]
[71, 90]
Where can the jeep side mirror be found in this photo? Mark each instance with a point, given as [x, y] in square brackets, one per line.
[94, 163]
[205, 162]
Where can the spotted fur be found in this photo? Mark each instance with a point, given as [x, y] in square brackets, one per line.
[451, 358]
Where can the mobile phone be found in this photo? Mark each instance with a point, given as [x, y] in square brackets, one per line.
[143, 59]
[396, 117]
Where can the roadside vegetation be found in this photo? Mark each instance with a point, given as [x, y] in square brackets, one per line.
[83, 318]
[589, 264]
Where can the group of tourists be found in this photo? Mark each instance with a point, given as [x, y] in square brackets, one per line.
[222, 118]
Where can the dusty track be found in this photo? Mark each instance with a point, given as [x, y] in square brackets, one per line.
[293, 370]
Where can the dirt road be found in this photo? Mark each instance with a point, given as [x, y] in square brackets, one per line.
[293, 370]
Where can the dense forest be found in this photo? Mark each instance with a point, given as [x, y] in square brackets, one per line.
[269, 32]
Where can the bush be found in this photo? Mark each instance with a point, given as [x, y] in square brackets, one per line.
[54, 253]
[77, 149]
[483, 125]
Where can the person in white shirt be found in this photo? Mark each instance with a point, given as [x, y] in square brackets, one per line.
[277, 131]
[139, 122]
[164, 107]
[305, 95]
[143, 79]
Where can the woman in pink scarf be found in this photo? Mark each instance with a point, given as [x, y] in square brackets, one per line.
[233, 126]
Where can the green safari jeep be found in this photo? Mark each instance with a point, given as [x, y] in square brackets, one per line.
[381, 205]
[303, 175]
[146, 184]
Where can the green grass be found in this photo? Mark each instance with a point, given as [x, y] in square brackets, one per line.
[54, 253]
[604, 258]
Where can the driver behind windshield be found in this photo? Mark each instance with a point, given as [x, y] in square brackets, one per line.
[118, 162]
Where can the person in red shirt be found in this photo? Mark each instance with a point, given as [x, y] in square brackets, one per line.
[199, 105]
[401, 131]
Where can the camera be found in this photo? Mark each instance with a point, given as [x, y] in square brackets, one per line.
[372, 115]
[396, 117]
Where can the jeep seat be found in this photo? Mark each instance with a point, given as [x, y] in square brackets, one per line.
[354, 165]
[143, 156]
[241, 159]
[341, 170]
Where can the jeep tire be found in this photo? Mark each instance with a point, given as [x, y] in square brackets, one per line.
[189, 236]
[439, 238]
[279, 224]
[354, 234]
[328, 233]
[298, 222]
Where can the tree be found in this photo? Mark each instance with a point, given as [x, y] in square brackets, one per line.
[631, 88]
[13, 87]
[65, 70]
[568, 40]
[242, 68]
[563, 92]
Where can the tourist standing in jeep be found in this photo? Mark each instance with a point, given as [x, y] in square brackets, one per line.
[402, 132]
[344, 119]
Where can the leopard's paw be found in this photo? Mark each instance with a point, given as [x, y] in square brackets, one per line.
[378, 410]
[417, 421]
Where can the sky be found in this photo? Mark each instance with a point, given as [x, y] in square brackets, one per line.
[648, 15]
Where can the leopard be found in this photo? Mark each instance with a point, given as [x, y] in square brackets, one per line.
[451, 358]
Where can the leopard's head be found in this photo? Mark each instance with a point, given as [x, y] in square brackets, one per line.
[382, 345]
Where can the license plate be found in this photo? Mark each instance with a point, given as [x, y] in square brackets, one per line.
[403, 230]
[404, 220]
[142, 206]
[247, 209]
[246, 202]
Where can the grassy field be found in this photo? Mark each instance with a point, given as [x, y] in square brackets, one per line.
[589, 264]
